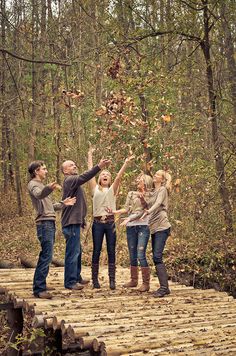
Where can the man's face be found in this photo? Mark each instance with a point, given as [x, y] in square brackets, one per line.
[70, 168]
[41, 172]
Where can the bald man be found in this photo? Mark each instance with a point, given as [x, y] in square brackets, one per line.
[73, 218]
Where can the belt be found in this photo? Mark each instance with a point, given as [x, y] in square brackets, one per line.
[105, 219]
[40, 222]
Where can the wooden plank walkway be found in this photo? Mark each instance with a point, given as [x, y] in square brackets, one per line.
[125, 322]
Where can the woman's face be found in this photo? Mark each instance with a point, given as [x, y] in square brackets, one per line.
[105, 179]
[140, 183]
[158, 177]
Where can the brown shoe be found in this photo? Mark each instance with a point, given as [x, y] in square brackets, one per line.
[43, 295]
[146, 279]
[134, 278]
[76, 286]
[84, 281]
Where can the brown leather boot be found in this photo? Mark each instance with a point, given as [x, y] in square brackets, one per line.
[146, 279]
[134, 278]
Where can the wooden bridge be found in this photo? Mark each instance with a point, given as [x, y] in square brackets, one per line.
[122, 322]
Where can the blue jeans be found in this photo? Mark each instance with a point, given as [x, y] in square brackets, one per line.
[137, 239]
[72, 255]
[46, 235]
[158, 244]
[99, 230]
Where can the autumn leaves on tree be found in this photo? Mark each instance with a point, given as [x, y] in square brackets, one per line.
[152, 78]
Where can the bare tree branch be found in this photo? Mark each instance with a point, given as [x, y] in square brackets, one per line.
[15, 55]
[162, 33]
[191, 6]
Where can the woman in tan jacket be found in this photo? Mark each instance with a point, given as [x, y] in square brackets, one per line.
[159, 226]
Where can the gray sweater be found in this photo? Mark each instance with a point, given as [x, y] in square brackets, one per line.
[158, 206]
[39, 194]
[72, 188]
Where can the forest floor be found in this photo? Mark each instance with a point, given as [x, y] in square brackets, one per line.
[211, 265]
[124, 321]
[191, 263]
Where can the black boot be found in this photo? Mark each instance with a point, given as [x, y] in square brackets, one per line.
[163, 280]
[95, 269]
[112, 274]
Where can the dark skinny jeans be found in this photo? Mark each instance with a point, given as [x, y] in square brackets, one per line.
[100, 229]
[46, 236]
[159, 239]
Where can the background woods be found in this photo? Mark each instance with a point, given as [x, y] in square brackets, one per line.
[156, 78]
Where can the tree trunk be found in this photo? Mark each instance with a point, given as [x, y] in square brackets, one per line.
[57, 123]
[55, 81]
[3, 96]
[17, 174]
[230, 56]
[97, 60]
[32, 139]
[169, 61]
[219, 160]
[145, 133]
[42, 79]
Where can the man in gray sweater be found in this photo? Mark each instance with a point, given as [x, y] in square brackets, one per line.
[45, 222]
[73, 218]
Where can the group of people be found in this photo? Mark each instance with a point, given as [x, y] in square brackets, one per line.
[146, 210]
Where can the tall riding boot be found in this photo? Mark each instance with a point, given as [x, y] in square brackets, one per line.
[112, 274]
[146, 279]
[163, 280]
[134, 278]
[95, 269]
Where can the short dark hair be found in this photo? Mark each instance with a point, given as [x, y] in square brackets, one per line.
[33, 166]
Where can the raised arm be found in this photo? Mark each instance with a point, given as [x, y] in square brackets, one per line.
[120, 174]
[73, 181]
[39, 193]
[92, 182]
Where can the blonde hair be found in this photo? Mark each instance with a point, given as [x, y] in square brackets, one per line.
[99, 178]
[166, 179]
[148, 181]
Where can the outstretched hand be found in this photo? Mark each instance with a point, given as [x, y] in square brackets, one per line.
[69, 201]
[54, 185]
[129, 159]
[104, 163]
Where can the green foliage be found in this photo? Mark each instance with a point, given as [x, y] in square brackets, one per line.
[24, 341]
